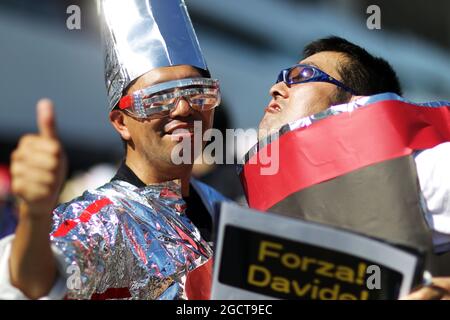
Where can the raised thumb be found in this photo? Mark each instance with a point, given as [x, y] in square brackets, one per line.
[46, 119]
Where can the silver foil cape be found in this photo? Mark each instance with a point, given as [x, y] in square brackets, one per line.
[141, 35]
[134, 243]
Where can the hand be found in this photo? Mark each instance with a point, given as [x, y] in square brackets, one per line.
[438, 290]
[38, 166]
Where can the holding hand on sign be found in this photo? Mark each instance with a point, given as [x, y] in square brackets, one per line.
[438, 290]
[38, 168]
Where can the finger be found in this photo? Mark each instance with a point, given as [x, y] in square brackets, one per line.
[31, 144]
[426, 293]
[37, 160]
[442, 282]
[21, 171]
[46, 119]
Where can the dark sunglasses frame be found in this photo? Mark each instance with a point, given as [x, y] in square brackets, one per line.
[318, 76]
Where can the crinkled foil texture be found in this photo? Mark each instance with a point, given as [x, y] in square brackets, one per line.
[140, 240]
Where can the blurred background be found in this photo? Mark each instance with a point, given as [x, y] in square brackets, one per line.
[246, 43]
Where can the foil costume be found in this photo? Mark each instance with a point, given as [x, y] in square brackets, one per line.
[129, 241]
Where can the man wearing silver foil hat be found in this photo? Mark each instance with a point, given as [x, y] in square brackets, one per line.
[145, 234]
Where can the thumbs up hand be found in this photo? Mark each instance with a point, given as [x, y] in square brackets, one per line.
[38, 166]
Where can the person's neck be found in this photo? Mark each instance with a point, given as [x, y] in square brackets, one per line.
[149, 174]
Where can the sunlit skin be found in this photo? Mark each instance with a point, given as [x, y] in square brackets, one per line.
[38, 170]
[150, 141]
[290, 103]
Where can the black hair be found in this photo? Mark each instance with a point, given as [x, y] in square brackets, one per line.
[364, 73]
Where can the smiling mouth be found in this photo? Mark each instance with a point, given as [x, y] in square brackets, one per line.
[180, 127]
[181, 130]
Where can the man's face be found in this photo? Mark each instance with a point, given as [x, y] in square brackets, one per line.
[153, 139]
[290, 103]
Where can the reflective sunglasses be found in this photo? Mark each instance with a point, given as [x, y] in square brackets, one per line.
[303, 73]
[202, 94]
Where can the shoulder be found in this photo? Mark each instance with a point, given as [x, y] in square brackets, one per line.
[98, 202]
[433, 168]
[207, 192]
[438, 154]
[433, 172]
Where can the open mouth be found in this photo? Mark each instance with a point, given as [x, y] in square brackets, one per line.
[273, 108]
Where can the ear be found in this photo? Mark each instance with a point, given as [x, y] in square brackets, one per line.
[117, 119]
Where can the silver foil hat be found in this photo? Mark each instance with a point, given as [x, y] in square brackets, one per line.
[141, 35]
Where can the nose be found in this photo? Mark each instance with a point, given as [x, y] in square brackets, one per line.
[182, 109]
[279, 90]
